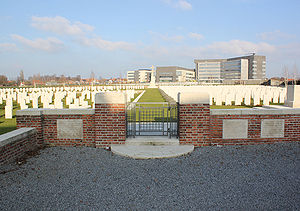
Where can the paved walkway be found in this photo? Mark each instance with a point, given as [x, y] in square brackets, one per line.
[263, 177]
[151, 147]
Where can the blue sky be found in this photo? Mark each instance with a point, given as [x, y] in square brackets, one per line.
[111, 37]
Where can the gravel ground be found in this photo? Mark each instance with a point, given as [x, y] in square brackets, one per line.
[263, 177]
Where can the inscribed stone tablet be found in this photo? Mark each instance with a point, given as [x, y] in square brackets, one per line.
[70, 128]
[235, 128]
[272, 128]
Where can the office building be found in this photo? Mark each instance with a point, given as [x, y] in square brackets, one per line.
[174, 74]
[131, 76]
[139, 76]
[237, 68]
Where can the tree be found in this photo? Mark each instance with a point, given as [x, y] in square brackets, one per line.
[92, 77]
[3, 80]
[62, 79]
[285, 75]
[295, 74]
[20, 78]
[78, 78]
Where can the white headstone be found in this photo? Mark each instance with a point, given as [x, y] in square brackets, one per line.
[8, 112]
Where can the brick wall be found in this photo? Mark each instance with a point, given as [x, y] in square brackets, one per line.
[101, 127]
[198, 125]
[201, 126]
[32, 121]
[50, 131]
[110, 124]
[45, 122]
[291, 129]
[194, 126]
[15, 144]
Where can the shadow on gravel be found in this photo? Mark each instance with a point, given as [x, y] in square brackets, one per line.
[22, 160]
[257, 177]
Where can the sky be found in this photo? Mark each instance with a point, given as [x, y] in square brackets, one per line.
[111, 37]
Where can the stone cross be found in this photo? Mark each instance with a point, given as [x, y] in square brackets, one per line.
[152, 82]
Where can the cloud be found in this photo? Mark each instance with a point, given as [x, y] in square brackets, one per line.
[221, 49]
[5, 47]
[183, 5]
[165, 37]
[79, 31]
[50, 44]
[98, 42]
[275, 35]
[196, 36]
[240, 47]
[60, 25]
[180, 4]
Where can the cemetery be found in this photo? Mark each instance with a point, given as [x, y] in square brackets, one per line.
[149, 105]
[70, 166]
[99, 116]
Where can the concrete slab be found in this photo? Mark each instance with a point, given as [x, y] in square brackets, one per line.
[272, 128]
[151, 152]
[235, 128]
[277, 107]
[152, 140]
[69, 128]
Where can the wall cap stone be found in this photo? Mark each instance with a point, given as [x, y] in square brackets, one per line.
[70, 111]
[253, 111]
[194, 98]
[47, 111]
[16, 135]
[110, 98]
[29, 112]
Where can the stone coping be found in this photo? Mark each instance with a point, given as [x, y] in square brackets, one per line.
[16, 135]
[110, 98]
[192, 98]
[46, 111]
[253, 111]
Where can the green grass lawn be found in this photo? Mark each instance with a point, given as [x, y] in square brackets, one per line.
[152, 95]
[7, 125]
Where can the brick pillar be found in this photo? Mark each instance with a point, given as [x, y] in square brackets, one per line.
[31, 118]
[110, 119]
[194, 119]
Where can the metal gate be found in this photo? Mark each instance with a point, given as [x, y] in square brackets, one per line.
[152, 119]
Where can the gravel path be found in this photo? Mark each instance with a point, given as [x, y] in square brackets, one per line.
[211, 178]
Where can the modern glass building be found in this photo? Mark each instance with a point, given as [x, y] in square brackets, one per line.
[174, 74]
[209, 70]
[237, 68]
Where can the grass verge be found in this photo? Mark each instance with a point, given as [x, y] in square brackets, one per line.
[7, 125]
[152, 95]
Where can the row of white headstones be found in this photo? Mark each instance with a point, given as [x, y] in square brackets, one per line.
[239, 94]
[52, 97]
[78, 97]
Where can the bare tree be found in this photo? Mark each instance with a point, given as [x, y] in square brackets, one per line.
[92, 77]
[295, 74]
[3, 80]
[285, 74]
[20, 78]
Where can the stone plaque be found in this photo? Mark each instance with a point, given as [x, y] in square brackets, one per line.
[272, 128]
[69, 128]
[235, 128]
